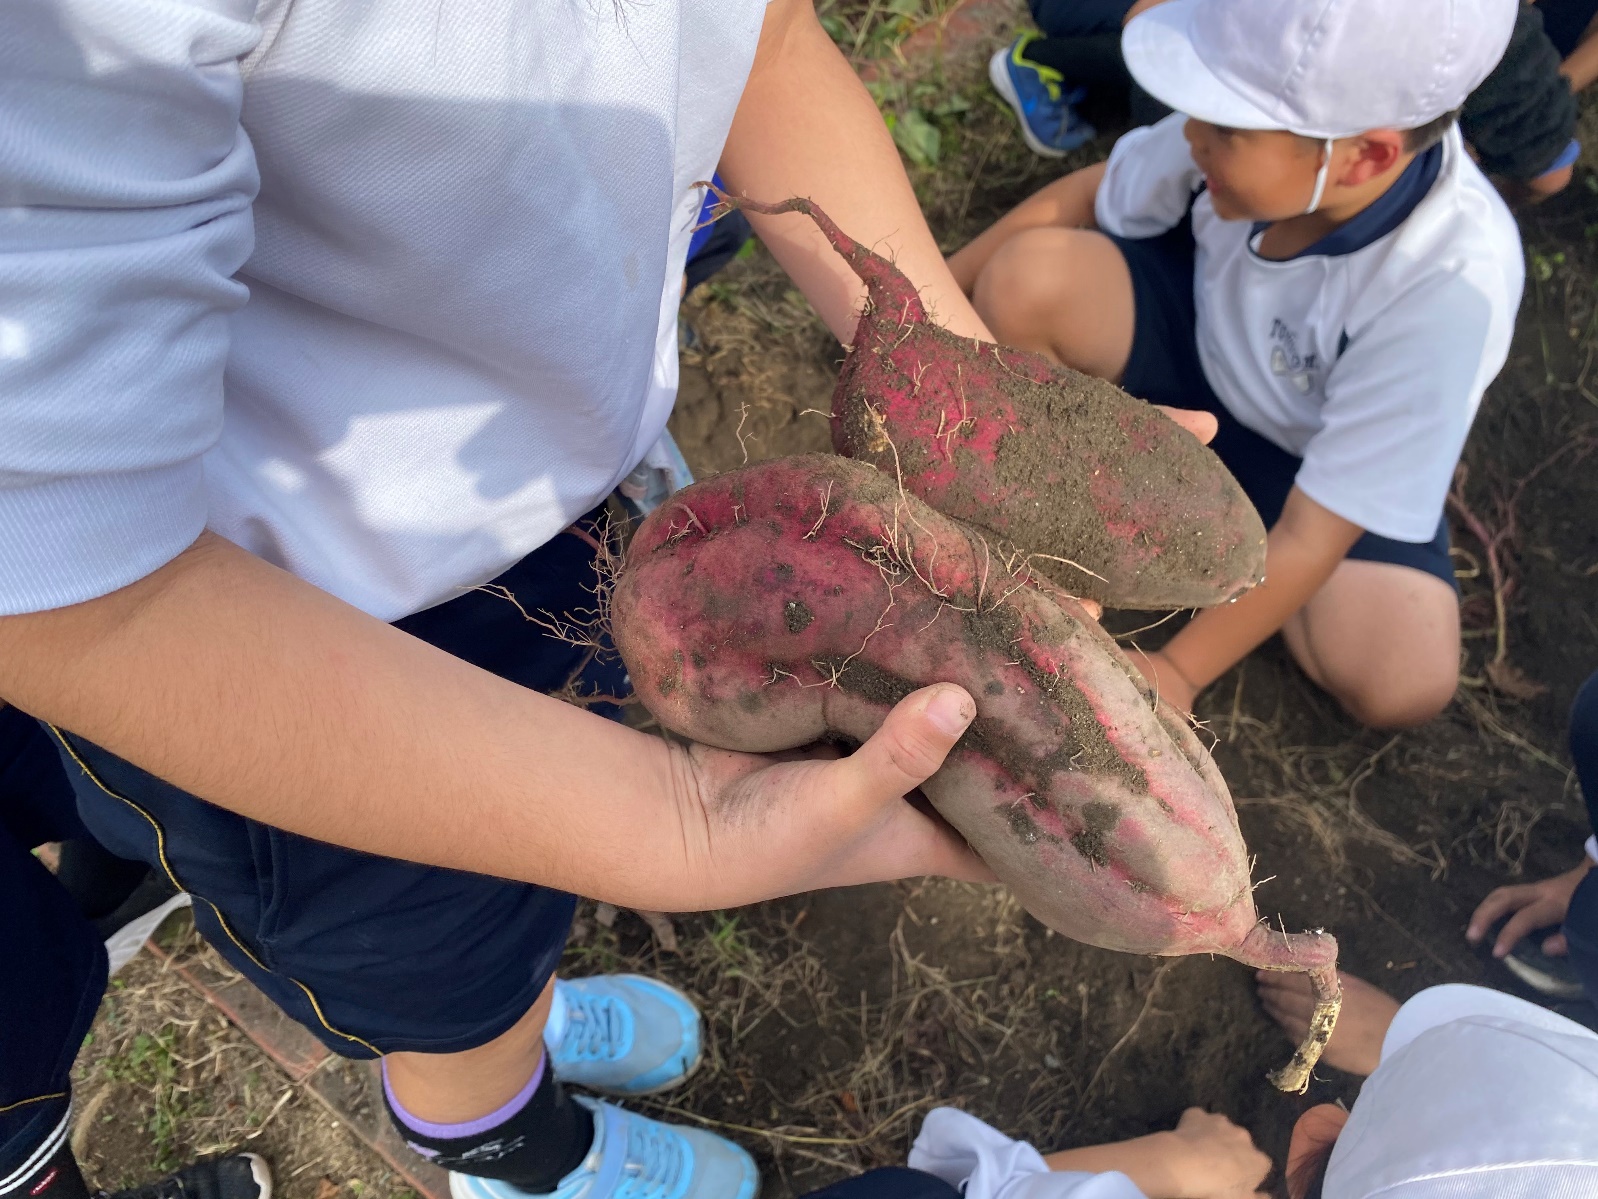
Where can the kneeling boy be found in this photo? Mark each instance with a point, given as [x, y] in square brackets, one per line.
[1305, 249]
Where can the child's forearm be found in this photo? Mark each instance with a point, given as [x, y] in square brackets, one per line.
[806, 126]
[253, 689]
[1301, 552]
[1581, 68]
[1066, 202]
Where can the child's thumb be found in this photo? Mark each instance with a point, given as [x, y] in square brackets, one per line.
[911, 744]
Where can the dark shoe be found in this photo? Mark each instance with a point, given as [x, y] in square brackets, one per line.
[1549, 976]
[98, 881]
[241, 1176]
[1580, 1010]
[1043, 103]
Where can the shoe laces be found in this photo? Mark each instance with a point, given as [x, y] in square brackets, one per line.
[1050, 78]
[657, 1162]
[596, 1027]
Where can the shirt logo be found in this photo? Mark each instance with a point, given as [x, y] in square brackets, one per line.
[1287, 362]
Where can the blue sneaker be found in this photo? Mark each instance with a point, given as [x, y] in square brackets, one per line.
[634, 1157]
[1041, 100]
[622, 1033]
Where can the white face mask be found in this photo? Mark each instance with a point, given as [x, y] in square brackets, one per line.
[1320, 176]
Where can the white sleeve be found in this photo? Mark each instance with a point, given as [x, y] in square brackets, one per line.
[125, 192]
[983, 1163]
[1400, 400]
[1149, 183]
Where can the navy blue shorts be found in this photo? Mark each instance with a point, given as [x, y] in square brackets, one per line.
[888, 1182]
[371, 954]
[54, 964]
[1164, 368]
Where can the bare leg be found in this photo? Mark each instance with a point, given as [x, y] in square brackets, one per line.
[1581, 68]
[453, 1088]
[1356, 1043]
[1383, 639]
[1065, 293]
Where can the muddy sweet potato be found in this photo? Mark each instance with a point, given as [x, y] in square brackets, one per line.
[1112, 499]
[801, 598]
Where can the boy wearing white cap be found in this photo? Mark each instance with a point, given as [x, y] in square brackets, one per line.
[1306, 250]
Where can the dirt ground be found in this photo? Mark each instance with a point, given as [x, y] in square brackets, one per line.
[837, 1019]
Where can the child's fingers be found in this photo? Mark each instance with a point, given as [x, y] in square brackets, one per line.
[1202, 425]
[1286, 998]
[1497, 903]
[1556, 946]
[1528, 919]
[909, 747]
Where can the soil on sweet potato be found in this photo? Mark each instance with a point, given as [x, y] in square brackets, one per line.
[1066, 524]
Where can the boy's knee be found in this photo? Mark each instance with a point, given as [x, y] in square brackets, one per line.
[1020, 286]
[1389, 703]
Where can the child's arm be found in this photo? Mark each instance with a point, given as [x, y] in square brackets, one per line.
[1301, 552]
[265, 695]
[1144, 188]
[1581, 68]
[1205, 1157]
[1068, 201]
[806, 126]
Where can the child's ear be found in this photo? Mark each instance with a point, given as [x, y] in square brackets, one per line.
[1375, 153]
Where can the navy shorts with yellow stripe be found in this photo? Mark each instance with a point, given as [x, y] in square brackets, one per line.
[371, 954]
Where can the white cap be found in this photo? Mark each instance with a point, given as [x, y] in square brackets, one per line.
[1479, 1095]
[1322, 68]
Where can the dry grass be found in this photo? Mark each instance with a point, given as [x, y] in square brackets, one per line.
[164, 1079]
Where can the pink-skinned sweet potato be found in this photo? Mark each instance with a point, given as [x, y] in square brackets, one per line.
[800, 598]
[1110, 497]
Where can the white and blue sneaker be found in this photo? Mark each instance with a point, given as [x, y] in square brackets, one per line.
[634, 1157]
[1045, 106]
[622, 1033]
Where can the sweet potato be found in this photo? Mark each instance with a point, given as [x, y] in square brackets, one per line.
[1114, 500]
[801, 598]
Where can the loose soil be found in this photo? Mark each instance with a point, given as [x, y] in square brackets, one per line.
[836, 1020]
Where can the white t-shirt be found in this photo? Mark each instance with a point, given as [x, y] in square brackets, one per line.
[1369, 361]
[443, 328]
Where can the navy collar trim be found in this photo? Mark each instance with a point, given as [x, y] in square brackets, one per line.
[1390, 210]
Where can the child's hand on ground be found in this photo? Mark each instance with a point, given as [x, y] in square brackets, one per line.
[1356, 1044]
[1212, 1158]
[1167, 681]
[1205, 1156]
[1534, 905]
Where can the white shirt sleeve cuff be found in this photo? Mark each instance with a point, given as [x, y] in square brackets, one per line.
[75, 539]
